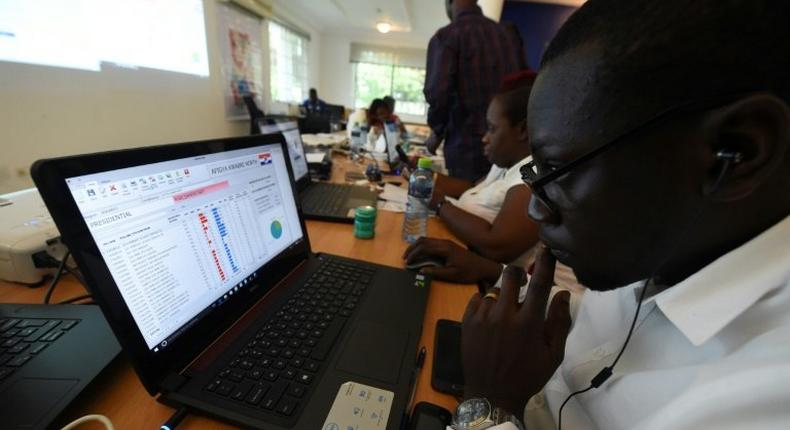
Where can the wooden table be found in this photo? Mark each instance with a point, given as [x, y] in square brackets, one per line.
[119, 395]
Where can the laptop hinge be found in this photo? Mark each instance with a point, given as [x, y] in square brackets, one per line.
[172, 383]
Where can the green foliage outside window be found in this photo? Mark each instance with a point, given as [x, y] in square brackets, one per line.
[403, 83]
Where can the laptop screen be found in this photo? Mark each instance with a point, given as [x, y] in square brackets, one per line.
[392, 137]
[290, 130]
[179, 237]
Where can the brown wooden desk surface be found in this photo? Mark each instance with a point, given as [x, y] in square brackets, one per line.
[119, 395]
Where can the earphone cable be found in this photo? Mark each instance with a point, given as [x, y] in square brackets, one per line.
[601, 377]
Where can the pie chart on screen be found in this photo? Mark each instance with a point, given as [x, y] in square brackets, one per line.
[276, 229]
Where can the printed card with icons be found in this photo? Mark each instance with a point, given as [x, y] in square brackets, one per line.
[359, 407]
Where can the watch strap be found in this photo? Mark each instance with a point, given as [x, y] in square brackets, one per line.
[440, 204]
[500, 416]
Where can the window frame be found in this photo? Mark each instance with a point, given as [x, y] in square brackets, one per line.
[277, 56]
[390, 91]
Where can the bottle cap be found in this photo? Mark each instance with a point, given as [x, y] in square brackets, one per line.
[365, 212]
[425, 163]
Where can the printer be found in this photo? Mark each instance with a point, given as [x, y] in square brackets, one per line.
[27, 235]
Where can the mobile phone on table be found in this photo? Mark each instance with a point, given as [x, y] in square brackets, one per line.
[448, 371]
[427, 416]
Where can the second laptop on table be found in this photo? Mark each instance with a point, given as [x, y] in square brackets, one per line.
[320, 200]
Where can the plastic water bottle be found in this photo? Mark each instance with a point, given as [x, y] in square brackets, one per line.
[364, 136]
[415, 221]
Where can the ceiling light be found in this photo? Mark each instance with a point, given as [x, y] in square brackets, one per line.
[383, 27]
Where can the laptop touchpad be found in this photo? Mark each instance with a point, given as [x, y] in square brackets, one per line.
[25, 405]
[374, 351]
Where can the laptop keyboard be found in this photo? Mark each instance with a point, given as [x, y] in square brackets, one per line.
[325, 199]
[275, 369]
[22, 339]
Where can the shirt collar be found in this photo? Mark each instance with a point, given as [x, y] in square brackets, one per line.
[516, 168]
[704, 303]
[474, 10]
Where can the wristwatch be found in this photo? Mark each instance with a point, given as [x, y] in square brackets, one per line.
[477, 414]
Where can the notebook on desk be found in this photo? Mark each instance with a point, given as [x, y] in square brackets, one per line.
[199, 258]
[320, 200]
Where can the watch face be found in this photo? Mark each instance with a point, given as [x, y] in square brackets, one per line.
[472, 412]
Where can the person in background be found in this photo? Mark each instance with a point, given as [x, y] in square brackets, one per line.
[662, 176]
[518, 42]
[390, 102]
[466, 62]
[313, 105]
[489, 217]
[378, 113]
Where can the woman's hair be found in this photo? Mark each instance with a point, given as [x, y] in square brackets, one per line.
[374, 106]
[514, 95]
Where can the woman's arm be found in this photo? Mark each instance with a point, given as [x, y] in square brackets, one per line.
[511, 234]
[448, 186]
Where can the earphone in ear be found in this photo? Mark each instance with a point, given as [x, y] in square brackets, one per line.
[728, 158]
[733, 157]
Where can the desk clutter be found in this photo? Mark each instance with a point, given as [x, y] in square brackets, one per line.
[324, 151]
[238, 205]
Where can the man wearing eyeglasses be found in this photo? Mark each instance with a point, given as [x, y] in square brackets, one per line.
[660, 131]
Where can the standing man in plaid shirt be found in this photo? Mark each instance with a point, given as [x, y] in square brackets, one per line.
[467, 60]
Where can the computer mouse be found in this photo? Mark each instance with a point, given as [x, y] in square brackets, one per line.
[425, 261]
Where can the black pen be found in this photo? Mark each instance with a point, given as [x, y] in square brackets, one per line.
[417, 368]
[174, 420]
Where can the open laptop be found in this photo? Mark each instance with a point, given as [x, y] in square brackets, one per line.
[48, 355]
[392, 140]
[198, 256]
[320, 200]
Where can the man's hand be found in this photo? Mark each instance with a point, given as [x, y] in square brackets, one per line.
[461, 265]
[509, 350]
[432, 143]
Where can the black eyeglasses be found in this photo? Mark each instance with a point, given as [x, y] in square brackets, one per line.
[537, 183]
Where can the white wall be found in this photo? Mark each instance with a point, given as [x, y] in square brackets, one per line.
[47, 111]
[336, 82]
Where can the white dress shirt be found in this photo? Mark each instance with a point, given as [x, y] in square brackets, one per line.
[486, 198]
[711, 352]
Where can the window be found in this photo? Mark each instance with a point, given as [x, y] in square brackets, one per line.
[404, 84]
[288, 77]
[382, 71]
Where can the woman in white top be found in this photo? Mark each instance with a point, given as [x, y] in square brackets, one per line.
[490, 217]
